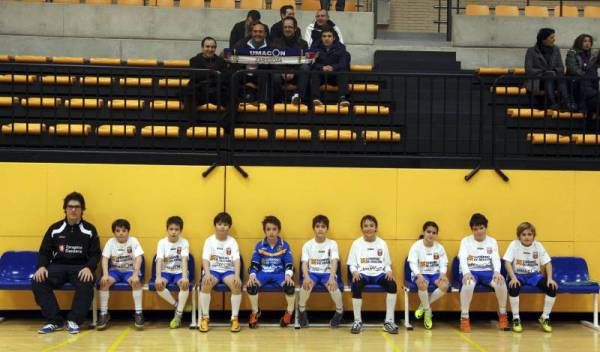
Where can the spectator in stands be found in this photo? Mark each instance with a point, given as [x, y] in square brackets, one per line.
[203, 87]
[243, 30]
[313, 30]
[69, 252]
[583, 64]
[543, 60]
[332, 58]
[339, 5]
[255, 85]
[277, 29]
[291, 39]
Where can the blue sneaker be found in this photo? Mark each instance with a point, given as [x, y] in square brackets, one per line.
[72, 327]
[48, 328]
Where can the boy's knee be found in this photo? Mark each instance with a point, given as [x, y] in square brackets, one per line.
[289, 289]
[357, 288]
[514, 291]
[390, 286]
[252, 290]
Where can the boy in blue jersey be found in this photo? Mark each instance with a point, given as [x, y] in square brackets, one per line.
[272, 263]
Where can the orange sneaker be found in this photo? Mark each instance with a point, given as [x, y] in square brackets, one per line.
[465, 325]
[253, 321]
[286, 319]
[502, 321]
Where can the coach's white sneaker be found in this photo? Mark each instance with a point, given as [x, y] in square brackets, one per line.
[72, 327]
[48, 328]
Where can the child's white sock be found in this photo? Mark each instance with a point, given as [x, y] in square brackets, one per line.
[236, 301]
[548, 304]
[336, 296]
[291, 299]
[514, 306]
[466, 296]
[183, 296]
[435, 295]
[390, 306]
[501, 293]
[205, 304]
[166, 295]
[104, 301]
[424, 297]
[357, 307]
[137, 300]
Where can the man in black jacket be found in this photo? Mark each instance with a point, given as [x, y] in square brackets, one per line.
[243, 30]
[332, 58]
[254, 85]
[203, 86]
[291, 39]
[277, 29]
[69, 252]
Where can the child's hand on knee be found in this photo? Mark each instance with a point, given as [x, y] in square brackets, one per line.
[184, 284]
[160, 283]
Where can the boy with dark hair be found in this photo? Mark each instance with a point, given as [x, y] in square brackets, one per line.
[172, 257]
[272, 263]
[320, 260]
[220, 263]
[332, 58]
[480, 263]
[121, 262]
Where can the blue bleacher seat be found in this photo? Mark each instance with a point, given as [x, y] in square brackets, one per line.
[172, 287]
[17, 269]
[572, 275]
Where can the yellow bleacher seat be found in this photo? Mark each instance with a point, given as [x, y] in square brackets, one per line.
[204, 132]
[128, 104]
[371, 110]
[12, 78]
[548, 138]
[95, 81]
[111, 61]
[160, 131]
[527, 113]
[350, 6]
[591, 11]
[337, 135]
[70, 129]
[8, 101]
[222, 4]
[37, 102]
[536, 11]
[492, 71]
[517, 71]
[73, 60]
[166, 105]
[245, 107]
[361, 68]
[131, 2]
[281, 108]
[59, 79]
[311, 5]
[23, 128]
[192, 3]
[142, 62]
[65, 1]
[567, 11]
[510, 90]
[506, 10]
[252, 4]
[210, 107]
[567, 115]
[477, 10]
[98, 2]
[250, 133]
[176, 63]
[331, 109]
[381, 136]
[328, 88]
[164, 3]
[173, 82]
[136, 82]
[589, 139]
[5, 58]
[276, 4]
[116, 130]
[84, 103]
[363, 87]
[31, 59]
[293, 134]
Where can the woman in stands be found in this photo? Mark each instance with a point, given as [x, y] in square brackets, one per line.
[583, 64]
[543, 60]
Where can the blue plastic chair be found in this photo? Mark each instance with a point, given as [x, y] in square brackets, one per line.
[17, 269]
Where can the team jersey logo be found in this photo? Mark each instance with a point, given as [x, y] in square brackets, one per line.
[380, 252]
[489, 250]
[436, 256]
[228, 251]
[178, 250]
[61, 248]
[129, 250]
[535, 255]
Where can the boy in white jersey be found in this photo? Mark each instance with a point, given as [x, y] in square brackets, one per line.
[524, 260]
[121, 262]
[221, 264]
[370, 264]
[428, 265]
[320, 260]
[480, 263]
[172, 268]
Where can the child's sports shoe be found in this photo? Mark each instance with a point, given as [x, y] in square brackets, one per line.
[390, 327]
[465, 325]
[253, 320]
[419, 312]
[204, 324]
[235, 325]
[175, 322]
[428, 322]
[502, 321]
[356, 327]
[336, 320]
[516, 325]
[285, 320]
[103, 320]
[139, 321]
[303, 319]
[545, 323]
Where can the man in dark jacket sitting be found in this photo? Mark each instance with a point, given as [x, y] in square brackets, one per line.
[332, 58]
[291, 39]
[277, 29]
[254, 85]
[243, 30]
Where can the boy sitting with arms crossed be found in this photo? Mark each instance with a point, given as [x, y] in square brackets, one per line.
[221, 264]
[172, 268]
[272, 263]
[320, 260]
[125, 255]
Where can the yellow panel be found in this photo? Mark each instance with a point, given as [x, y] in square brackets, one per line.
[68, 60]
[23, 128]
[280, 108]
[204, 132]
[126, 104]
[176, 63]
[116, 130]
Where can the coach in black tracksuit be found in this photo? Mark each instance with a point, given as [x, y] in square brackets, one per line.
[69, 252]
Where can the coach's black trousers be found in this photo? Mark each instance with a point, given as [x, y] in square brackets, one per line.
[58, 274]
